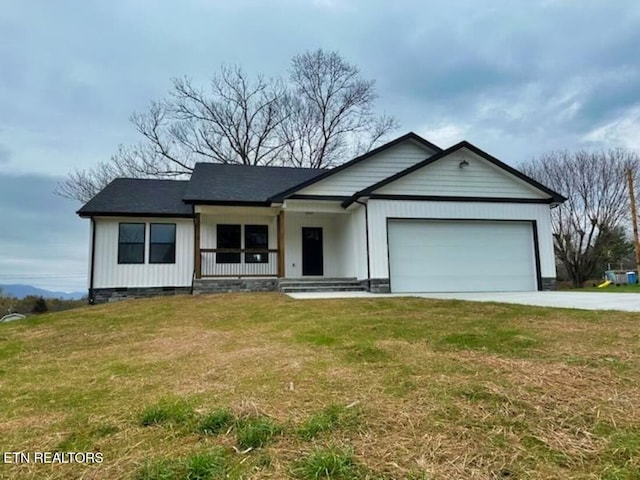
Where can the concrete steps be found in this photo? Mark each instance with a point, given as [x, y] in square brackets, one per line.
[297, 285]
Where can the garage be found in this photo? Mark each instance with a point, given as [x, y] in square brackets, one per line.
[461, 256]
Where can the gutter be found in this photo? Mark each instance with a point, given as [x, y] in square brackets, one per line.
[93, 256]
[366, 226]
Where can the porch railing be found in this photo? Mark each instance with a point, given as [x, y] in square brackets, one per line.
[236, 262]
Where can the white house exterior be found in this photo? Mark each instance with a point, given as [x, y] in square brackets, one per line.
[406, 217]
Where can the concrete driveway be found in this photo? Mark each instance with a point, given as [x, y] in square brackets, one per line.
[629, 302]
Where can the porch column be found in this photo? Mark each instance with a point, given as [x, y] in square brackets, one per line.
[281, 244]
[197, 255]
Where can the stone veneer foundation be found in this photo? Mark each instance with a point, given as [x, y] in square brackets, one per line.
[103, 295]
[548, 283]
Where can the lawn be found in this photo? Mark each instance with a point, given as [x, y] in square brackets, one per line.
[260, 386]
[628, 288]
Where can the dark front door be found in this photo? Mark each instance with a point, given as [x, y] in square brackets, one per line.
[312, 260]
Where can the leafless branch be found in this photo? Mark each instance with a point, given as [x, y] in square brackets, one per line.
[597, 203]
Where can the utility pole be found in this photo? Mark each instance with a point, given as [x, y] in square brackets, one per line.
[634, 217]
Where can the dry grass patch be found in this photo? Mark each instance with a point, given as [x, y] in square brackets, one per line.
[436, 389]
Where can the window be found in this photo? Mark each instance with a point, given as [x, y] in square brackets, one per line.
[228, 237]
[256, 237]
[131, 243]
[162, 243]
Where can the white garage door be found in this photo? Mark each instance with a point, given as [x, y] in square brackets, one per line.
[461, 256]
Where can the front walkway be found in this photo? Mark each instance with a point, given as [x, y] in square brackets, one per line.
[629, 302]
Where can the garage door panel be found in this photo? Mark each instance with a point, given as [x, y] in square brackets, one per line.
[442, 256]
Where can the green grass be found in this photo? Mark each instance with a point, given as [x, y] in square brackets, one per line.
[256, 386]
[167, 412]
[216, 422]
[330, 418]
[206, 466]
[209, 465]
[628, 288]
[162, 469]
[256, 432]
[498, 340]
[85, 439]
[327, 463]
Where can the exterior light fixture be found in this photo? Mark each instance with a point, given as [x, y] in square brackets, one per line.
[463, 164]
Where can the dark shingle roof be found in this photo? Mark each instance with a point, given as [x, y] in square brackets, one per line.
[135, 196]
[217, 183]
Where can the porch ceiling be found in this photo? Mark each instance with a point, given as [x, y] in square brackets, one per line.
[314, 206]
[227, 210]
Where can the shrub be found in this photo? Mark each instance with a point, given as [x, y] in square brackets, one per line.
[40, 306]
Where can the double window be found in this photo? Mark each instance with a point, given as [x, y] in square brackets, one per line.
[131, 243]
[229, 243]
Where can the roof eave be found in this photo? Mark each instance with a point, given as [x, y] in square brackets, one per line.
[133, 214]
[229, 203]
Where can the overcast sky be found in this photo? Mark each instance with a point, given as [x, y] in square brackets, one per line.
[517, 78]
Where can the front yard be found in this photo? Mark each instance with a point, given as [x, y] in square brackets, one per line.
[261, 386]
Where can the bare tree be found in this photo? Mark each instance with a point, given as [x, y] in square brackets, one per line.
[84, 184]
[332, 115]
[236, 122]
[597, 204]
[322, 117]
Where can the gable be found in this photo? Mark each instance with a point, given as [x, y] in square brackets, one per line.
[444, 177]
[372, 170]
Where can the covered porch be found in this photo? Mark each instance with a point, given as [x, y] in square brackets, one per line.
[298, 239]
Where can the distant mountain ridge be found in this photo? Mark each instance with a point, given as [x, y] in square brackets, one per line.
[21, 291]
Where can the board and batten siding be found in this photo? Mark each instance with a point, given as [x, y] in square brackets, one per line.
[109, 274]
[479, 178]
[344, 237]
[293, 223]
[381, 210]
[351, 241]
[370, 171]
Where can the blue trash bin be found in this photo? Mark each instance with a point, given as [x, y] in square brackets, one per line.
[632, 277]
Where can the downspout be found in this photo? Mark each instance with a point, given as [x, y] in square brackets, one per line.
[195, 243]
[93, 256]
[366, 229]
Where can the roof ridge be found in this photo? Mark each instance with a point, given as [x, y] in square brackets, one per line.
[152, 179]
[239, 165]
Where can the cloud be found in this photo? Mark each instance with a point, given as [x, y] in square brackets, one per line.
[621, 132]
[75, 71]
[42, 241]
[444, 135]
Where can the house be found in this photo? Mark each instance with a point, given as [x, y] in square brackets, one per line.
[404, 217]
